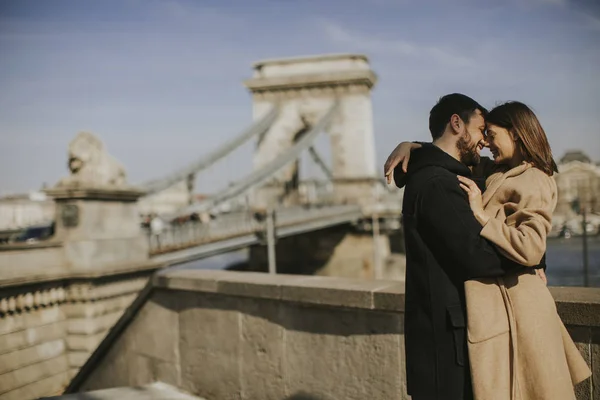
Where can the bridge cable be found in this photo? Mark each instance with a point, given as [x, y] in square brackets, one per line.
[257, 128]
[262, 174]
[320, 162]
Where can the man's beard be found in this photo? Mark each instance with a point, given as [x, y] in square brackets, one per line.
[469, 154]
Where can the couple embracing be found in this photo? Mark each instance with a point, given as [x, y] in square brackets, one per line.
[480, 322]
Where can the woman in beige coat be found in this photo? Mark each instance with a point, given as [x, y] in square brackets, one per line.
[519, 348]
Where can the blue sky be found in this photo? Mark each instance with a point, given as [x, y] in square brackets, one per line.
[160, 81]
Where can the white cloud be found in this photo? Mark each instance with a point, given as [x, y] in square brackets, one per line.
[551, 2]
[370, 44]
[590, 22]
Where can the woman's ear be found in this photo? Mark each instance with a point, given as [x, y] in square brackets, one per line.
[514, 136]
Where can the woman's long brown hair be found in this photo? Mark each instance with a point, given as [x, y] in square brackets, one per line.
[522, 123]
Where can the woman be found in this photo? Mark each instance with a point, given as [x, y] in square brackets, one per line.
[518, 346]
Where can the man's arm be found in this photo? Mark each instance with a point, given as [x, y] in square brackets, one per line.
[453, 231]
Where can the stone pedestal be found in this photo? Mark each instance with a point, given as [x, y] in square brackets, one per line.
[99, 227]
[61, 296]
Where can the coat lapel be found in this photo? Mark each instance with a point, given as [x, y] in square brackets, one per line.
[497, 181]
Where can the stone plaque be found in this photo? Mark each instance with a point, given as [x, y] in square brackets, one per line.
[70, 215]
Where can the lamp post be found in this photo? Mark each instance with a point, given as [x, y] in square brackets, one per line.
[583, 204]
[271, 240]
[586, 278]
[377, 257]
[378, 266]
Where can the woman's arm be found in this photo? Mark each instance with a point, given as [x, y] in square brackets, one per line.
[520, 229]
[401, 154]
[522, 235]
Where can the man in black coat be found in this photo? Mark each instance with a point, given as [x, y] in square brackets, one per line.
[443, 250]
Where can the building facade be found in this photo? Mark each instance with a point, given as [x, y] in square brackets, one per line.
[578, 183]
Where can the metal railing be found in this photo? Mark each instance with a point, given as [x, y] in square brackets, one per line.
[230, 225]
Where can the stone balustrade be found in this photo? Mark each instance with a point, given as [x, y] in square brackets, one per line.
[221, 335]
[50, 326]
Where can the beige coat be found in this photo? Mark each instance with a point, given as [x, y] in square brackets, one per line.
[519, 348]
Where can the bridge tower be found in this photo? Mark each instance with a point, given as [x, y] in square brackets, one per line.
[305, 88]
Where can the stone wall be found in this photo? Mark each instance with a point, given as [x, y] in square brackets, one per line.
[33, 354]
[49, 328]
[227, 335]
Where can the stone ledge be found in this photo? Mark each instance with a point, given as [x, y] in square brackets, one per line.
[74, 276]
[51, 243]
[578, 305]
[108, 193]
[311, 59]
[315, 290]
[365, 77]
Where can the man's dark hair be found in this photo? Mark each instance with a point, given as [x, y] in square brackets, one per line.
[448, 105]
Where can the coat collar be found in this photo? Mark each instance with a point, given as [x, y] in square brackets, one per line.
[499, 180]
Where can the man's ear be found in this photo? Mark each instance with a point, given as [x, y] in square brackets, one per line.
[456, 124]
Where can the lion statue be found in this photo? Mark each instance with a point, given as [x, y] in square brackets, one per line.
[91, 165]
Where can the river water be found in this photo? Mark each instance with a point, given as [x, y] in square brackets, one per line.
[564, 260]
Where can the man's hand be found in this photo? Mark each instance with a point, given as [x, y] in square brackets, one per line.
[401, 154]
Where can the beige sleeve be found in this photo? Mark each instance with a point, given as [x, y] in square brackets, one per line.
[520, 229]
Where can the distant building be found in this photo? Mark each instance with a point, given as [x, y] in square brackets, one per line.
[19, 211]
[578, 183]
[575, 155]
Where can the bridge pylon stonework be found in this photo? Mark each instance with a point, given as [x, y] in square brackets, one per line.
[304, 89]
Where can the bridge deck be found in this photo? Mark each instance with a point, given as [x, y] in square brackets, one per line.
[232, 232]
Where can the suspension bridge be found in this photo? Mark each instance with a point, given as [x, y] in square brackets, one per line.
[295, 101]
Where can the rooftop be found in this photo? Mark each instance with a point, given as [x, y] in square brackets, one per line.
[575, 155]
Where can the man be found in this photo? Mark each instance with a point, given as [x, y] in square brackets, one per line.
[443, 250]
[156, 227]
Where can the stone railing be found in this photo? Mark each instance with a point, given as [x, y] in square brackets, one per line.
[50, 326]
[222, 335]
